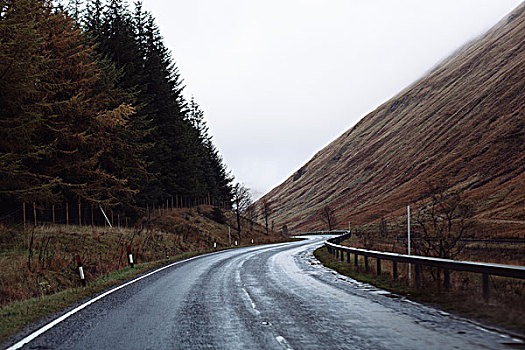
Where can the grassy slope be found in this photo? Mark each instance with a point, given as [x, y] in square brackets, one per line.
[463, 122]
[52, 283]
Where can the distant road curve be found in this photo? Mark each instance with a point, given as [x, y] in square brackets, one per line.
[266, 297]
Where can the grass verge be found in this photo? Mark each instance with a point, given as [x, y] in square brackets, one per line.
[16, 315]
[465, 303]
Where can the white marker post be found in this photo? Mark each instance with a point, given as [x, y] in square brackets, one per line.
[81, 271]
[408, 232]
[130, 257]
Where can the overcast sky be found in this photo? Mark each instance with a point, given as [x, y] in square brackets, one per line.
[280, 79]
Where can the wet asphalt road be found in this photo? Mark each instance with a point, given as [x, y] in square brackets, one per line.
[269, 297]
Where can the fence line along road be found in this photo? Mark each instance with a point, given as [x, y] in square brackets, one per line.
[485, 269]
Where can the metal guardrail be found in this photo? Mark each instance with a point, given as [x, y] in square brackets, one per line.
[335, 232]
[473, 240]
[486, 269]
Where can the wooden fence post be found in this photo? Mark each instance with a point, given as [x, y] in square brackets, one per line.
[24, 215]
[394, 269]
[486, 292]
[79, 213]
[418, 275]
[34, 212]
[53, 208]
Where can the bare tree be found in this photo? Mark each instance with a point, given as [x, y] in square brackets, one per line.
[327, 214]
[241, 200]
[250, 214]
[267, 211]
[443, 223]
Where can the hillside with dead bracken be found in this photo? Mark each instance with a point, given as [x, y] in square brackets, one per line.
[462, 124]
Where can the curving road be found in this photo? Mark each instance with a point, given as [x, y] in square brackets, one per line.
[267, 297]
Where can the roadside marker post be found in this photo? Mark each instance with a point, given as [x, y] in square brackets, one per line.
[130, 257]
[408, 233]
[81, 271]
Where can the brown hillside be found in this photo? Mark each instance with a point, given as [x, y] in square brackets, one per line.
[463, 122]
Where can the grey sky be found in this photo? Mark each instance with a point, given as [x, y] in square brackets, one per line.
[279, 79]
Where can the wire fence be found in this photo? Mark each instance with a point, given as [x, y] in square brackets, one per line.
[84, 214]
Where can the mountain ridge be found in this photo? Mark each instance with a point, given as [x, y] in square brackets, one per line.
[456, 123]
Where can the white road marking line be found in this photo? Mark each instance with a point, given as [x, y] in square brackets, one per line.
[250, 300]
[53, 323]
[283, 342]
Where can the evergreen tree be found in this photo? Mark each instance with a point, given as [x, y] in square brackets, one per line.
[57, 116]
[92, 19]
[77, 116]
[21, 61]
[216, 176]
[111, 29]
[67, 125]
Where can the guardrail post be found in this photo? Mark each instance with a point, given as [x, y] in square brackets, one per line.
[348, 257]
[342, 256]
[418, 275]
[356, 262]
[378, 267]
[446, 272]
[486, 292]
[394, 269]
[366, 263]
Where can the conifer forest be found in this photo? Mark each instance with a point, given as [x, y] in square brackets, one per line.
[92, 111]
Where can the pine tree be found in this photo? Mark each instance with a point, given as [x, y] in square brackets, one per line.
[107, 25]
[76, 116]
[57, 115]
[21, 59]
[92, 19]
[218, 180]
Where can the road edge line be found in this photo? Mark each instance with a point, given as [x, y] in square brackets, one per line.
[56, 321]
